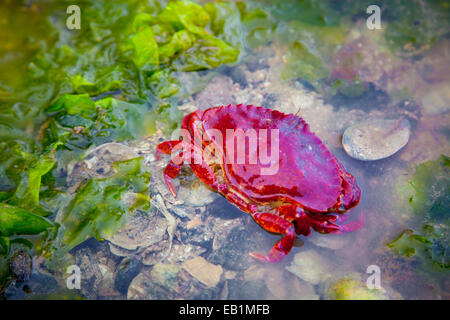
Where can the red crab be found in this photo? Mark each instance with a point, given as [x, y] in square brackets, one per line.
[310, 189]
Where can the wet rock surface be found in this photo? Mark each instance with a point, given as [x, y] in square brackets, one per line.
[98, 163]
[205, 272]
[310, 267]
[376, 139]
[38, 285]
[21, 265]
[233, 253]
[125, 272]
[168, 282]
[97, 270]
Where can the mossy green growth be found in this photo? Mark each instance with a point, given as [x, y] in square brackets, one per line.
[431, 203]
[415, 26]
[350, 289]
[431, 183]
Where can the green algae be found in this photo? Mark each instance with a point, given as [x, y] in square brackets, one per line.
[431, 204]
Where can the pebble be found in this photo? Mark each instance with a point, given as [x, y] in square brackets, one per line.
[310, 267]
[376, 139]
[196, 194]
[21, 265]
[207, 273]
[141, 230]
[233, 253]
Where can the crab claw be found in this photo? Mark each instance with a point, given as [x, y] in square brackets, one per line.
[351, 226]
[274, 223]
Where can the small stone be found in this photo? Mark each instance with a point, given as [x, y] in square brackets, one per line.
[141, 230]
[183, 252]
[127, 269]
[310, 267]
[164, 274]
[155, 253]
[207, 273]
[21, 265]
[376, 139]
[199, 234]
[137, 289]
[196, 194]
[234, 252]
[168, 282]
[106, 286]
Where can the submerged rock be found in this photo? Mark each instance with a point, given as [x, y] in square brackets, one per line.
[204, 271]
[234, 251]
[97, 272]
[310, 267]
[127, 269]
[21, 265]
[168, 282]
[376, 139]
[248, 290]
[140, 231]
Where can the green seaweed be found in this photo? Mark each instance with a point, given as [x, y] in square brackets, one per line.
[55, 99]
[351, 289]
[430, 202]
[16, 221]
[98, 210]
[415, 26]
[431, 184]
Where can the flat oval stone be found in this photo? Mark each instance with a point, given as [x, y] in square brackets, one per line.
[376, 139]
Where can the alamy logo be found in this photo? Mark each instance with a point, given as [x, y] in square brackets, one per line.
[374, 20]
[374, 280]
[74, 20]
[74, 280]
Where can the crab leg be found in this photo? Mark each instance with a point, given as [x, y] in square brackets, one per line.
[326, 224]
[170, 172]
[166, 147]
[273, 223]
[323, 223]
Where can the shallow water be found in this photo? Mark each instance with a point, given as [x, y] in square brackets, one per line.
[156, 255]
